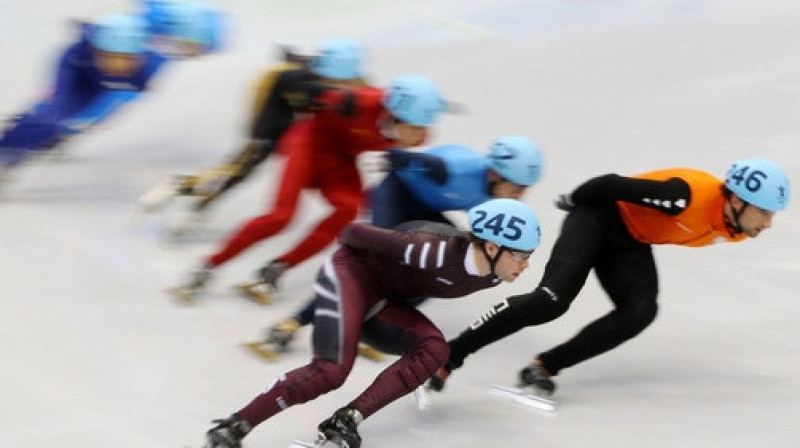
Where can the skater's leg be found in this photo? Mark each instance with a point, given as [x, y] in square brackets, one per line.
[337, 329]
[341, 187]
[297, 174]
[423, 351]
[631, 281]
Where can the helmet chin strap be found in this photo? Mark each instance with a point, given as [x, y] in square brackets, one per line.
[492, 185]
[735, 225]
[492, 260]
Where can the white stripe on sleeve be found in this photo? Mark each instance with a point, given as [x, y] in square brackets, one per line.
[424, 254]
[440, 254]
[407, 256]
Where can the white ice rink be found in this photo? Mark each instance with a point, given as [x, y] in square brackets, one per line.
[94, 354]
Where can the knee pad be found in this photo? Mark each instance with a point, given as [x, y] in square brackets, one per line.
[317, 378]
[423, 361]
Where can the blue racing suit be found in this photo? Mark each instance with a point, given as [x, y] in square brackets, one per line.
[81, 98]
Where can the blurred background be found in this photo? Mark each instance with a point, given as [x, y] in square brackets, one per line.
[95, 353]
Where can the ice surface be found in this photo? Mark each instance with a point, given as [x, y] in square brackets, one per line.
[95, 355]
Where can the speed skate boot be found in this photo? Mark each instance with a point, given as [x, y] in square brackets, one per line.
[282, 333]
[269, 274]
[163, 192]
[228, 433]
[188, 292]
[436, 383]
[277, 340]
[535, 376]
[263, 290]
[340, 430]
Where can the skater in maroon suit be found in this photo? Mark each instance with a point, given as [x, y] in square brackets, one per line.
[373, 274]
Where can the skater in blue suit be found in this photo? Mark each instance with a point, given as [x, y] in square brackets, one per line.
[422, 186]
[109, 66]
[183, 29]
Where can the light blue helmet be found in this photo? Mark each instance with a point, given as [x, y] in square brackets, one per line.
[119, 33]
[338, 58]
[759, 182]
[184, 21]
[506, 222]
[516, 159]
[414, 100]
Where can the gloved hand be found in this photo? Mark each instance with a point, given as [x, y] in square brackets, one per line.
[431, 167]
[335, 99]
[564, 202]
[74, 126]
[374, 162]
[348, 106]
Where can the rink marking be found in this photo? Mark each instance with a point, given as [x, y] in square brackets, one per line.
[467, 27]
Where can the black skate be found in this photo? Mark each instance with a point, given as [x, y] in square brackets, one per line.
[228, 433]
[535, 376]
[283, 333]
[436, 383]
[269, 274]
[340, 430]
[535, 388]
[263, 291]
[187, 293]
[277, 341]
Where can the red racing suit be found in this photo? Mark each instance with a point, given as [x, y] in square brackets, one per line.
[320, 154]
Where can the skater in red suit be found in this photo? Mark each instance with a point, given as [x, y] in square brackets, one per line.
[321, 154]
[376, 273]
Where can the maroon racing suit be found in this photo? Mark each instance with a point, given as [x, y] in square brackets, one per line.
[371, 276]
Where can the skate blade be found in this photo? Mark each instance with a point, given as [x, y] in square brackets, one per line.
[261, 350]
[322, 443]
[183, 295]
[255, 292]
[157, 197]
[423, 398]
[524, 396]
[301, 444]
[370, 353]
[319, 444]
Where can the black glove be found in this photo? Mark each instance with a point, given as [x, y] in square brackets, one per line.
[433, 167]
[564, 202]
[348, 105]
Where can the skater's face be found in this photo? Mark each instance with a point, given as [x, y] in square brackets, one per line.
[753, 220]
[503, 188]
[511, 263]
[409, 135]
[117, 64]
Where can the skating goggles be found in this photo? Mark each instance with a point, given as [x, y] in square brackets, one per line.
[520, 255]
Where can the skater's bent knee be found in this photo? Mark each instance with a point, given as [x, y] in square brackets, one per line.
[424, 361]
[640, 317]
[322, 377]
